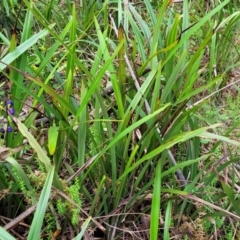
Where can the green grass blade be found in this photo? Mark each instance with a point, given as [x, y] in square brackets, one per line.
[111, 68]
[21, 49]
[21, 62]
[167, 145]
[96, 80]
[82, 131]
[97, 195]
[209, 135]
[194, 28]
[168, 220]
[4, 235]
[181, 165]
[68, 86]
[84, 227]
[22, 175]
[135, 125]
[36, 225]
[53, 94]
[230, 194]
[52, 50]
[156, 39]
[32, 141]
[155, 207]
[121, 68]
[138, 36]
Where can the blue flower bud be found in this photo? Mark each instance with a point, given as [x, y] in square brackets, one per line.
[11, 111]
[9, 129]
[10, 102]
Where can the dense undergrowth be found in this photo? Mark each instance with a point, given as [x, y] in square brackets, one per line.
[119, 119]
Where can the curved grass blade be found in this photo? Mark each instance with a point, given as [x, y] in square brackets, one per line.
[34, 144]
[176, 139]
[40, 153]
[22, 175]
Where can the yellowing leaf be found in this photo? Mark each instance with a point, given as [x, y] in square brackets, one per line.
[52, 139]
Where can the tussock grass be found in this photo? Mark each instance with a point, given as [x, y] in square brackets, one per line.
[114, 129]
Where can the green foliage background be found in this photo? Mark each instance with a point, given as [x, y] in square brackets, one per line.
[110, 102]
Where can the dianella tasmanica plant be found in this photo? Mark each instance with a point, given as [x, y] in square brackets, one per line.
[114, 91]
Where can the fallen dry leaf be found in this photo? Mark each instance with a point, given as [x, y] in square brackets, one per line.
[6, 151]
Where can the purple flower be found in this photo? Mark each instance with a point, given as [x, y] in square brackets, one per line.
[10, 102]
[2, 130]
[9, 129]
[11, 111]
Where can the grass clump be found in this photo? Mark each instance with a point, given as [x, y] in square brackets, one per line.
[113, 134]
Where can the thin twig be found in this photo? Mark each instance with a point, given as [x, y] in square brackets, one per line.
[88, 163]
[19, 218]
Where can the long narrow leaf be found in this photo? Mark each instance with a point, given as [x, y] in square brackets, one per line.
[32, 141]
[155, 207]
[22, 48]
[36, 225]
[4, 235]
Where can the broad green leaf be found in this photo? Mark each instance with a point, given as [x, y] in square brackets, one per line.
[52, 139]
